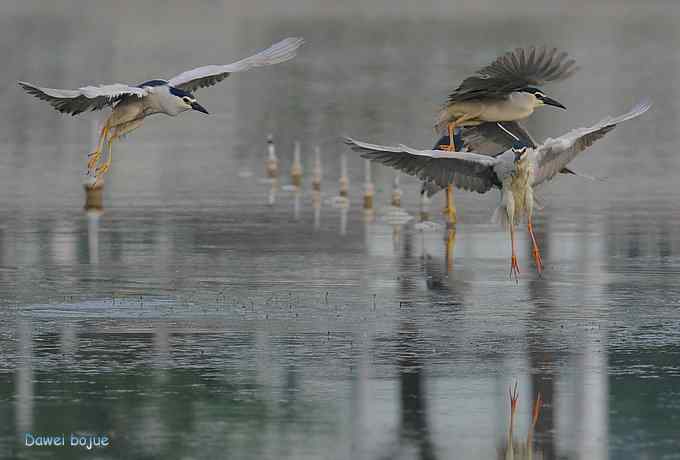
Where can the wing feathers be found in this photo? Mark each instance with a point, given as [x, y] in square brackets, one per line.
[555, 154]
[85, 98]
[467, 171]
[209, 75]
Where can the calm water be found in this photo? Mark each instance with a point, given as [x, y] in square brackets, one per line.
[191, 319]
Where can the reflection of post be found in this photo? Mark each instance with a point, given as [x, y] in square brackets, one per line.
[296, 204]
[424, 207]
[344, 209]
[316, 204]
[317, 173]
[272, 191]
[368, 186]
[24, 376]
[271, 163]
[450, 246]
[296, 168]
[344, 178]
[396, 192]
[93, 235]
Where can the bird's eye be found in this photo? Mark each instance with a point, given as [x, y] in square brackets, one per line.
[187, 100]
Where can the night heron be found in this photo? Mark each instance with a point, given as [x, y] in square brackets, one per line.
[515, 172]
[491, 138]
[131, 104]
[505, 90]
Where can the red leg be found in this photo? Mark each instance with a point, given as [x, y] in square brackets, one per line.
[535, 251]
[514, 266]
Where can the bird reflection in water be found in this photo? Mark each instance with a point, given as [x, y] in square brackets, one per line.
[516, 449]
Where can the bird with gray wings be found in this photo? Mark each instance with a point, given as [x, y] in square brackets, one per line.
[492, 139]
[515, 172]
[132, 104]
[504, 91]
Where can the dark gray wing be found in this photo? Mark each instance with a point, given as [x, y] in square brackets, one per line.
[467, 171]
[513, 71]
[202, 77]
[493, 137]
[85, 98]
[555, 154]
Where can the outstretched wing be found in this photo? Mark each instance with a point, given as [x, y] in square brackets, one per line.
[490, 138]
[467, 171]
[513, 71]
[202, 77]
[85, 98]
[555, 154]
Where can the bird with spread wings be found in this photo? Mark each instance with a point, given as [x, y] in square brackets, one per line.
[515, 172]
[133, 103]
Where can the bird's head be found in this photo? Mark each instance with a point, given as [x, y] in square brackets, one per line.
[186, 101]
[540, 99]
[520, 150]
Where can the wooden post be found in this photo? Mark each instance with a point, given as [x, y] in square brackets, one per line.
[272, 162]
[317, 173]
[344, 178]
[368, 186]
[296, 168]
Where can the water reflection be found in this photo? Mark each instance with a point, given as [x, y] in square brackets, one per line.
[380, 346]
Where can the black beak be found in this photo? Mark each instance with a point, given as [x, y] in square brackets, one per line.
[553, 102]
[199, 107]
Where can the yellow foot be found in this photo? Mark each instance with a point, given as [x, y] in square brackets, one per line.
[100, 172]
[514, 268]
[539, 261]
[93, 158]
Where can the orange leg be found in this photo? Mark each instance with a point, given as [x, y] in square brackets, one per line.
[450, 209]
[101, 170]
[534, 419]
[514, 266]
[93, 158]
[451, 146]
[535, 251]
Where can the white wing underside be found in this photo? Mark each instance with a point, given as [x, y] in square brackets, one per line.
[85, 98]
[209, 75]
[554, 154]
[98, 97]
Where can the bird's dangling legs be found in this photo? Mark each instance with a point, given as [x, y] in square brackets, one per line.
[534, 248]
[101, 170]
[514, 266]
[451, 146]
[93, 158]
[450, 209]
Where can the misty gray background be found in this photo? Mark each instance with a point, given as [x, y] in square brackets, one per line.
[193, 320]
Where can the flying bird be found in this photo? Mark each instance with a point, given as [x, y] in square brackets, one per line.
[133, 103]
[506, 90]
[515, 172]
